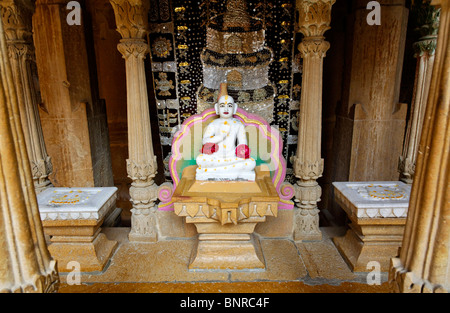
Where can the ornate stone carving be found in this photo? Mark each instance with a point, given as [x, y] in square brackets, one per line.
[16, 18]
[165, 192]
[407, 168]
[313, 21]
[133, 47]
[142, 172]
[27, 265]
[132, 24]
[423, 262]
[131, 18]
[399, 278]
[313, 48]
[426, 17]
[306, 225]
[314, 16]
[143, 225]
[308, 170]
[307, 194]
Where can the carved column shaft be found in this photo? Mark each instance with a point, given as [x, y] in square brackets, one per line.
[17, 22]
[26, 264]
[424, 264]
[427, 19]
[314, 20]
[131, 20]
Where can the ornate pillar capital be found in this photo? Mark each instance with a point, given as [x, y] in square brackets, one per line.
[133, 47]
[314, 17]
[16, 17]
[426, 18]
[131, 18]
[313, 48]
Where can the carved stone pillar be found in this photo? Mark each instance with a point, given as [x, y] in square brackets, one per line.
[427, 20]
[423, 264]
[314, 21]
[73, 118]
[131, 20]
[17, 21]
[25, 263]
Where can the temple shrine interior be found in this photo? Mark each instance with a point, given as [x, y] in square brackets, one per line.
[269, 146]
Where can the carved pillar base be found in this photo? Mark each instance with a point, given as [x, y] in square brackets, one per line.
[40, 172]
[306, 215]
[143, 225]
[403, 281]
[307, 195]
[306, 225]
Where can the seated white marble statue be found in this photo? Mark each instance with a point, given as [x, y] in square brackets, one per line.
[225, 154]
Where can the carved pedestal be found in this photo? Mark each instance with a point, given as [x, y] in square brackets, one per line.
[377, 211]
[225, 215]
[72, 218]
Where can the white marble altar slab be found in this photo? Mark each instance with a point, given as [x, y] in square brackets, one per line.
[374, 199]
[76, 203]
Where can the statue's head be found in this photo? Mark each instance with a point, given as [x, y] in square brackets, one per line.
[226, 107]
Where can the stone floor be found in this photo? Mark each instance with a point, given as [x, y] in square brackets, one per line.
[291, 267]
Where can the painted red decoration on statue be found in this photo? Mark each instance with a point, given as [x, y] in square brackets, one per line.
[243, 151]
[209, 148]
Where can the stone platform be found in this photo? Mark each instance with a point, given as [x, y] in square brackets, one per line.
[72, 219]
[377, 211]
[291, 267]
